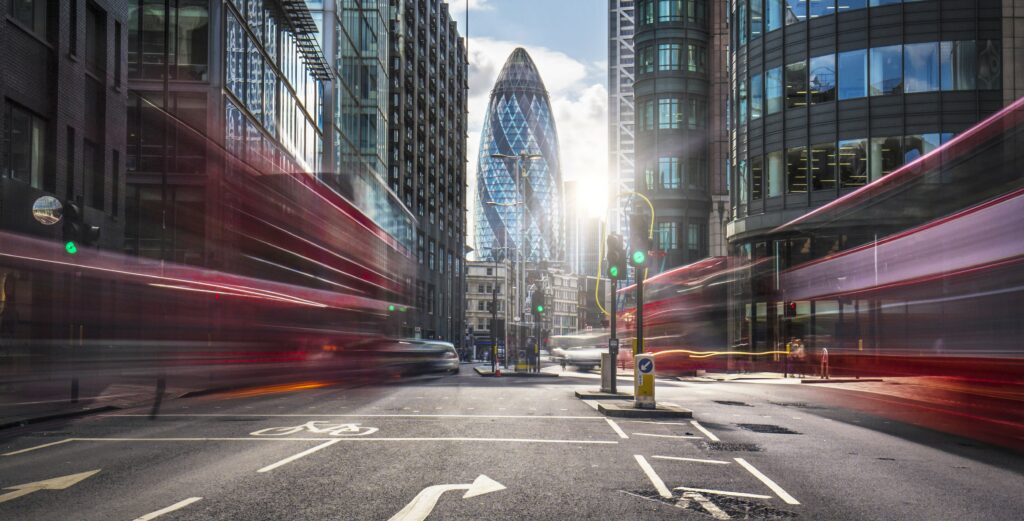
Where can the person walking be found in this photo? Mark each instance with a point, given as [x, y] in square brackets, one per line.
[824, 371]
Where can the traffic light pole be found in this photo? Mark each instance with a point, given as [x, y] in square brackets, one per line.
[493, 328]
[613, 346]
[639, 311]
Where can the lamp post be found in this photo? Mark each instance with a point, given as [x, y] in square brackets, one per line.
[520, 302]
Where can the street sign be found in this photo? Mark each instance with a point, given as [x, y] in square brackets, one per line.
[643, 382]
[645, 365]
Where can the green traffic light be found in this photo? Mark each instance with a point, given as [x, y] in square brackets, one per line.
[613, 271]
[391, 307]
[71, 247]
[540, 309]
[639, 257]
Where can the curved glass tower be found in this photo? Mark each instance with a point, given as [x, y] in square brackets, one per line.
[519, 120]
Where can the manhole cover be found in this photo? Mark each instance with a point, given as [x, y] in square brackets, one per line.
[742, 509]
[730, 402]
[766, 428]
[722, 446]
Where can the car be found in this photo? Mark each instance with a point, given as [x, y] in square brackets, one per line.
[583, 358]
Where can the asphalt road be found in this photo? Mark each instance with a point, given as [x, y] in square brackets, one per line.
[471, 448]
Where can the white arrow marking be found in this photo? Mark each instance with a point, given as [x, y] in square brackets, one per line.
[60, 483]
[423, 504]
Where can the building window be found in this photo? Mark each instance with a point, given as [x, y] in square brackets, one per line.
[646, 60]
[886, 70]
[772, 15]
[92, 162]
[958, 67]
[853, 163]
[756, 178]
[186, 57]
[796, 84]
[668, 172]
[921, 67]
[649, 178]
[31, 14]
[823, 166]
[26, 146]
[742, 101]
[693, 240]
[886, 156]
[236, 57]
[696, 167]
[796, 170]
[917, 145]
[670, 113]
[743, 182]
[670, 56]
[191, 31]
[818, 8]
[697, 12]
[796, 11]
[69, 159]
[670, 10]
[645, 10]
[756, 96]
[773, 90]
[117, 53]
[73, 28]
[95, 40]
[647, 117]
[822, 79]
[756, 19]
[697, 116]
[668, 235]
[741, 13]
[775, 174]
[847, 5]
[853, 74]
[696, 58]
[115, 182]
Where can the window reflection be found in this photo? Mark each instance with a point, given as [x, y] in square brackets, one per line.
[670, 56]
[669, 113]
[921, 67]
[886, 70]
[915, 146]
[796, 11]
[645, 60]
[756, 19]
[823, 78]
[818, 8]
[796, 84]
[853, 74]
[958, 68]
[756, 96]
[668, 172]
[773, 90]
[774, 173]
[796, 170]
[756, 178]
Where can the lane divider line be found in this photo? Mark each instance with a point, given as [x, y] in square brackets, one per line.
[696, 460]
[177, 506]
[653, 476]
[667, 436]
[314, 415]
[616, 428]
[302, 454]
[724, 492]
[657, 422]
[771, 484]
[43, 446]
[522, 440]
[711, 436]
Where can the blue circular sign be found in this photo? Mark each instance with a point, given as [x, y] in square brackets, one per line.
[646, 365]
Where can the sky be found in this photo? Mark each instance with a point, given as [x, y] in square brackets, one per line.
[567, 40]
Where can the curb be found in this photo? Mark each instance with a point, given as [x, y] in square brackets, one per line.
[840, 380]
[663, 410]
[58, 416]
[600, 395]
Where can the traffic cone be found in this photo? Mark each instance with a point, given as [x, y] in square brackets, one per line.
[497, 372]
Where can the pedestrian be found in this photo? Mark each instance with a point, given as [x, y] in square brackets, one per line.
[824, 364]
[800, 356]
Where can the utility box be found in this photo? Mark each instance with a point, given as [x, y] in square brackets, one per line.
[607, 372]
[643, 382]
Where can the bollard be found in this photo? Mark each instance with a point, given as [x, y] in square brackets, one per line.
[643, 382]
[607, 372]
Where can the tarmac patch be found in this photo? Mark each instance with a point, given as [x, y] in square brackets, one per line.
[765, 428]
[730, 402]
[721, 446]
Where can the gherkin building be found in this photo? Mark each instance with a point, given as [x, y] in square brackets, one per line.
[519, 121]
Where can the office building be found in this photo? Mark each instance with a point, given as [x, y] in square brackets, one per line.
[621, 109]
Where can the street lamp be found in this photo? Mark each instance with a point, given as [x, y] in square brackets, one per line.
[521, 158]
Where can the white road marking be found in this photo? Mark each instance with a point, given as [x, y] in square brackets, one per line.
[177, 506]
[43, 446]
[696, 460]
[656, 422]
[522, 440]
[667, 436]
[706, 504]
[706, 432]
[724, 492]
[499, 416]
[302, 454]
[653, 476]
[423, 504]
[771, 484]
[615, 428]
[59, 483]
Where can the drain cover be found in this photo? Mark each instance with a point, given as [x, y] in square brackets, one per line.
[742, 509]
[766, 428]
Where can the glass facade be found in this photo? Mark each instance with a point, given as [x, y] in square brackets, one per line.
[519, 120]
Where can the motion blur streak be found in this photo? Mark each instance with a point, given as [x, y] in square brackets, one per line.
[275, 389]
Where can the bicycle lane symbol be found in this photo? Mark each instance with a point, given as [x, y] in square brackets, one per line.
[318, 427]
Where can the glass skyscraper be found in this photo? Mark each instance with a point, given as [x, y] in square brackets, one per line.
[519, 120]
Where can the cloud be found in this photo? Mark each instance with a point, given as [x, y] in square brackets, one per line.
[457, 8]
[579, 101]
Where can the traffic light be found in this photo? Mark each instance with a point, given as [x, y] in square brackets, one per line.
[616, 257]
[490, 306]
[639, 239]
[76, 231]
[538, 302]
